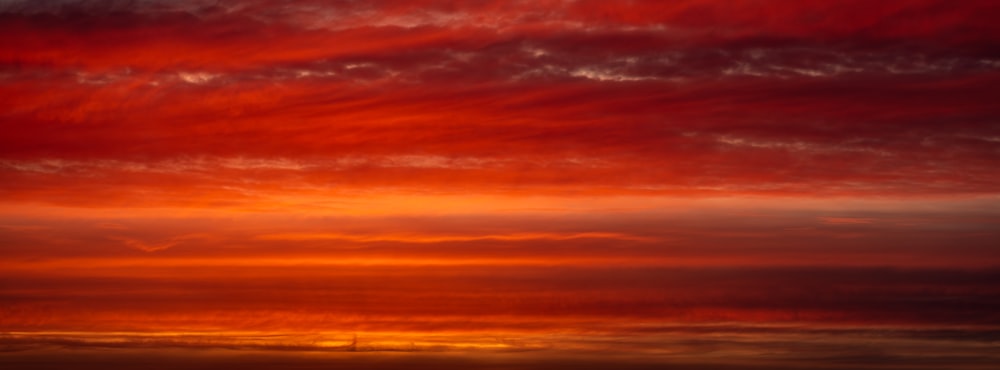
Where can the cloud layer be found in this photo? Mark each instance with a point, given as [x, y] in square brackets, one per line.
[689, 97]
[697, 183]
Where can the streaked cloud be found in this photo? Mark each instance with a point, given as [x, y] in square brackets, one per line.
[450, 238]
[550, 184]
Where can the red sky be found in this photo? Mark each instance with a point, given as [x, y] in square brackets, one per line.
[708, 184]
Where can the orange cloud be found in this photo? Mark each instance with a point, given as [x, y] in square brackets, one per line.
[449, 238]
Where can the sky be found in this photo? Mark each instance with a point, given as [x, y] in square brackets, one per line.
[697, 184]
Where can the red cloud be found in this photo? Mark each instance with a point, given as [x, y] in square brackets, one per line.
[593, 168]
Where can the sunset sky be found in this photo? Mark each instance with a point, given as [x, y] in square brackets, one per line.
[693, 184]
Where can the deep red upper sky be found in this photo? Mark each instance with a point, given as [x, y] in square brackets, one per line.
[892, 98]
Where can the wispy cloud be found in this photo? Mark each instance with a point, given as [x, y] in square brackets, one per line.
[155, 245]
[439, 238]
[846, 220]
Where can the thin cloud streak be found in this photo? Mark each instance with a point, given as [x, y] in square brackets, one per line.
[448, 238]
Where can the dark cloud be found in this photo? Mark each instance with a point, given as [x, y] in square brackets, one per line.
[317, 297]
[774, 348]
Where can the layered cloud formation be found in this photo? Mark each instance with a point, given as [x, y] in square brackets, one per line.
[696, 182]
[692, 96]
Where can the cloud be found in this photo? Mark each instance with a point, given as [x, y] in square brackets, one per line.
[432, 238]
[147, 246]
[554, 177]
[23, 228]
[155, 246]
[542, 98]
[846, 220]
[691, 347]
